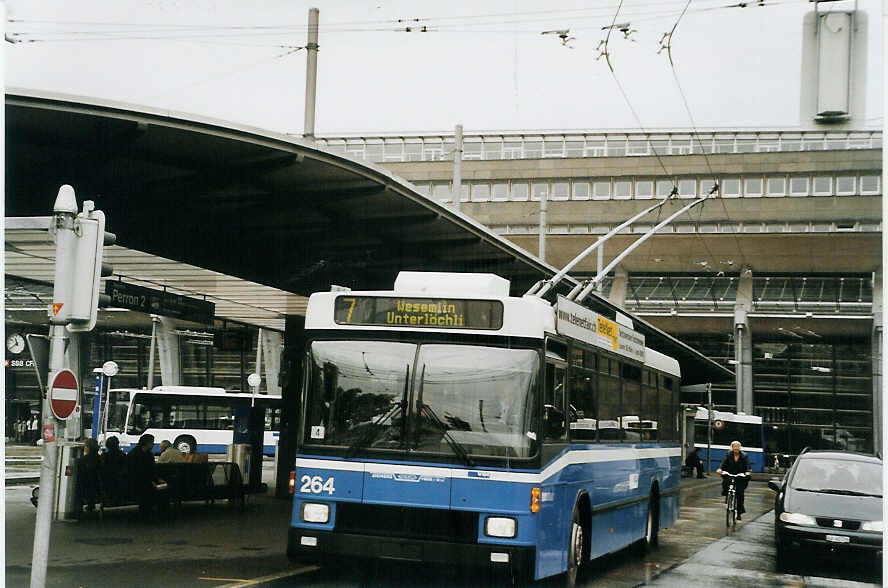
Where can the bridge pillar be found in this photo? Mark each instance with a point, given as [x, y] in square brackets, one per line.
[294, 345]
[743, 342]
[168, 351]
[878, 437]
[619, 286]
[272, 346]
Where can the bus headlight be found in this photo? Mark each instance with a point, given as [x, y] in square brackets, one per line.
[871, 526]
[313, 512]
[797, 518]
[500, 527]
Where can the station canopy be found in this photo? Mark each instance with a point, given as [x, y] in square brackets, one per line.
[251, 220]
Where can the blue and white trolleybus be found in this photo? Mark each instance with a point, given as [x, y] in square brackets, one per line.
[728, 427]
[447, 422]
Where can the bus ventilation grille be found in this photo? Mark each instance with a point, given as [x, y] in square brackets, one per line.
[407, 522]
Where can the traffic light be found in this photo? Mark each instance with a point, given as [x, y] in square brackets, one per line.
[88, 268]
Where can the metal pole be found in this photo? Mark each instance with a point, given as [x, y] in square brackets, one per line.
[456, 191]
[709, 429]
[258, 367]
[154, 320]
[97, 405]
[107, 407]
[311, 74]
[64, 211]
[544, 221]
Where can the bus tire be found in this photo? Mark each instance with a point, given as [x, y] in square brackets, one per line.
[576, 548]
[652, 524]
[185, 444]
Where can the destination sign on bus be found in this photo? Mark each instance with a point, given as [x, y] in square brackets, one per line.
[581, 323]
[435, 313]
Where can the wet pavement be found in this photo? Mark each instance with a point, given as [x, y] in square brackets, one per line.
[215, 545]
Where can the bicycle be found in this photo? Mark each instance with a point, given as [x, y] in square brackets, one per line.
[731, 501]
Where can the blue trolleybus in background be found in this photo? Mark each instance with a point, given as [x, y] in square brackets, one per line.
[447, 422]
[726, 428]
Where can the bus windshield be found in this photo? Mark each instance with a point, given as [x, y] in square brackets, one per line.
[118, 403]
[464, 399]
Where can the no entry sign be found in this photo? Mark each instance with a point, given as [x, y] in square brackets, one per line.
[63, 394]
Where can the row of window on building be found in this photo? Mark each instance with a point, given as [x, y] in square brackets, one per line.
[629, 188]
[726, 227]
[494, 147]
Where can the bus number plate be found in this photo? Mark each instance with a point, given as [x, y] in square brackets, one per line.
[316, 485]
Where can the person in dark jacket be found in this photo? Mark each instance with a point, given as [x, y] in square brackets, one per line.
[693, 461]
[114, 472]
[87, 486]
[735, 462]
[144, 482]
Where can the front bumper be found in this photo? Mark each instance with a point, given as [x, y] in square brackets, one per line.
[804, 536]
[330, 545]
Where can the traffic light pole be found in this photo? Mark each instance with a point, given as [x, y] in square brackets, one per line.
[64, 213]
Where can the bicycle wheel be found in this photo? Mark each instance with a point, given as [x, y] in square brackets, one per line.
[729, 511]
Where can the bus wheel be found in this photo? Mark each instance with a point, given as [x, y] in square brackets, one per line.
[652, 525]
[185, 444]
[575, 549]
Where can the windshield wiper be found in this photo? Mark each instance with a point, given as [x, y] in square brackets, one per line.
[374, 429]
[457, 448]
[840, 492]
[455, 445]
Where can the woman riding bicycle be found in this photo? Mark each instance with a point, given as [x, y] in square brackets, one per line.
[735, 462]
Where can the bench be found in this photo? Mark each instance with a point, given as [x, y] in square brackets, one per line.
[206, 481]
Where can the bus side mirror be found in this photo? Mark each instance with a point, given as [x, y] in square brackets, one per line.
[774, 485]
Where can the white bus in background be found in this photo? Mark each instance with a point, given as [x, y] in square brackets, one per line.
[192, 418]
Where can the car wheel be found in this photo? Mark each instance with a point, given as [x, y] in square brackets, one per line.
[783, 553]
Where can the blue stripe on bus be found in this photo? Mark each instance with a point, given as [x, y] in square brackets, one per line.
[607, 479]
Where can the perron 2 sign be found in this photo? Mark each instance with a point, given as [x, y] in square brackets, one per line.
[132, 297]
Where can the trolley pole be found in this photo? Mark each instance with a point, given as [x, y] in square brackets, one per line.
[311, 74]
[64, 213]
[709, 429]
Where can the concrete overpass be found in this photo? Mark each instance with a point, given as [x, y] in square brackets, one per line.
[216, 210]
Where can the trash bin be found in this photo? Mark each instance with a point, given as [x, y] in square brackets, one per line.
[241, 454]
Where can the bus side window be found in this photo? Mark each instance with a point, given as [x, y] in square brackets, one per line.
[553, 403]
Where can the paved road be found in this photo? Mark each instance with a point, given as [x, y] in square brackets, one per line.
[213, 546]
[697, 551]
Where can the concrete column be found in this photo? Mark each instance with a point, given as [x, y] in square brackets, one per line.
[168, 352]
[620, 286]
[878, 420]
[293, 356]
[743, 342]
[272, 347]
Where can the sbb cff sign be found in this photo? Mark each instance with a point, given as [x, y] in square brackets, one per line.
[63, 394]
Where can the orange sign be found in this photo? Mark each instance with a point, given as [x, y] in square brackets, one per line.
[56, 307]
[609, 330]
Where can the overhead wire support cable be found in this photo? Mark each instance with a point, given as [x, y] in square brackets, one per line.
[604, 51]
[666, 43]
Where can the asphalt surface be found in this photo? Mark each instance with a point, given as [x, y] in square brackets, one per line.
[216, 545]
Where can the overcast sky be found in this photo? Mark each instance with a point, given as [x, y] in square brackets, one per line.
[483, 64]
